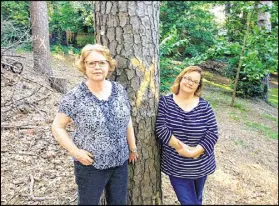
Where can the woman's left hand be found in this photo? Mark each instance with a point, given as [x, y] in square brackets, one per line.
[184, 150]
[133, 157]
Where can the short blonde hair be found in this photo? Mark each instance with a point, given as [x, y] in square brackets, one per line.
[176, 85]
[87, 49]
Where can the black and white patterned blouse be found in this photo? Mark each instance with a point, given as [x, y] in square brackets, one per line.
[100, 125]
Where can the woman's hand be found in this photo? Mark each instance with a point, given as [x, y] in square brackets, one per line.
[187, 151]
[84, 157]
[184, 150]
[133, 157]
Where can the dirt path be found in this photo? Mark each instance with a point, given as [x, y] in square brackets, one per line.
[35, 170]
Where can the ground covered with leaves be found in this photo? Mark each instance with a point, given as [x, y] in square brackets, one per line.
[35, 170]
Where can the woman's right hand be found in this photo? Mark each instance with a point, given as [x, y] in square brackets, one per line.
[84, 157]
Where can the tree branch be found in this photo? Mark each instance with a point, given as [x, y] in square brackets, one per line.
[31, 191]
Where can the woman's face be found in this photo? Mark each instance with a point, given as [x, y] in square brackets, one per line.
[190, 82]
[96, 66]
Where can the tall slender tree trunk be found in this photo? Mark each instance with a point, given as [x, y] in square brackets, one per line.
[241, 56]
[264, 23]
[40, 37]
[130, 30]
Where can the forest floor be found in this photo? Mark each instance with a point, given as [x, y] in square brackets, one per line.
[35, 170]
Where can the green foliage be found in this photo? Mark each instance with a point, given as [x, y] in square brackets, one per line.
[194, 23]
[60, 49]
[263, 128]
[240, 107]
[261, 52]
[273, 97]
[71, 16]
[250, 89]
[15, 24]
[25, 47]
[169, 71]
[234, 117]
[270, 117]
[169, 45]
[236, 19]
[83, 40]
[16, 12]
[64, 16]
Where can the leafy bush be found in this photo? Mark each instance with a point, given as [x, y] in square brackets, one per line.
[83, 40]
[259, 59]
[249, 89]
[192, 22]
[60, 49]
[168, 72]
[170, 45]
[16, 12]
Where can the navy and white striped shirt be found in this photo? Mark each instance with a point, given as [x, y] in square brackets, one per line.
[197, 126]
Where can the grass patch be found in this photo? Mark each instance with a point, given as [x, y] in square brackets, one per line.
[273, 97]
[241, 143]
[216, 97]
[213, 104]
[272, 118]
[220, 86]
[234, 116]
[240, 107]
[266, 130]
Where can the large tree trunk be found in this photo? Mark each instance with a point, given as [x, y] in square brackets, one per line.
[40, 37]
[130, 30]
[264, 22]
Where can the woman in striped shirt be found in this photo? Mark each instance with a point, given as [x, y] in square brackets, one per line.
[187, 129]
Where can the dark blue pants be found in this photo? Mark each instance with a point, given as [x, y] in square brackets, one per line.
[188, 191]
[91, 183]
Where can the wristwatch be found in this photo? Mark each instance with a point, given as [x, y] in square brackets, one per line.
[133, 150]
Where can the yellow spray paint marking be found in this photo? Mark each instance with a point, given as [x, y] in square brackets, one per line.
[148, 79]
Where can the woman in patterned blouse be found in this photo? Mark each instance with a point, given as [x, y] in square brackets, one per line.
[103, 140]
[187, 129]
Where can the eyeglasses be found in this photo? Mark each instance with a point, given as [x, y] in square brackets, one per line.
[93, 64]
[189, 80]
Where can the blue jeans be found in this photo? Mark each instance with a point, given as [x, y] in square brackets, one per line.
[188, 191]
[91, 183]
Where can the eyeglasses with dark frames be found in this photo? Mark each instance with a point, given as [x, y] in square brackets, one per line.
[189, 80]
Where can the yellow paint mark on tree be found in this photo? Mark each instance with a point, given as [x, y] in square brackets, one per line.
[149, 80]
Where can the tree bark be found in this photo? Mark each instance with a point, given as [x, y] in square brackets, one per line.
[40, 37]
[264, 23]
[130, 30]
[58, 83]
[264, 17]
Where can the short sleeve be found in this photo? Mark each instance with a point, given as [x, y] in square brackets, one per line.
[66, 105]
[125, 95]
